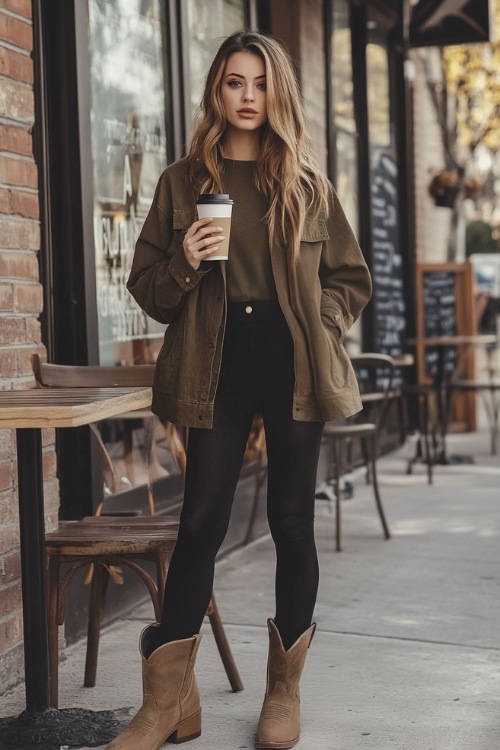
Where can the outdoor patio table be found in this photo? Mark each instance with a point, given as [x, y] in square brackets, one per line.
[440, 380]
[28, 412]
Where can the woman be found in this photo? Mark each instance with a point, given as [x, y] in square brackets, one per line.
[260, 333]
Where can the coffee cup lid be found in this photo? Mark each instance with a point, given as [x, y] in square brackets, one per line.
[215, 198]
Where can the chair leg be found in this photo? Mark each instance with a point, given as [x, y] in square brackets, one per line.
[223, 646]
[425, 432]
[98, 589]
[378, 499]
[161, 577]
[337, 459]
[366, 461]
[53, 629]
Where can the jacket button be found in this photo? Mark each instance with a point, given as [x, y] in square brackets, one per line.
[187, 279]
[200, 418]
[211, 345]
[248, 309]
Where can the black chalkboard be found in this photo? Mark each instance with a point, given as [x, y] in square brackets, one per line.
[439, 297]
[388, 289]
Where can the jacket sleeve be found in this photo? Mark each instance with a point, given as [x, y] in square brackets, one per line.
[160, 276]
[345, 279]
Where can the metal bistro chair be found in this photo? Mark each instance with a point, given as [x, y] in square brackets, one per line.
[489, 389]
[107, 542]
[371, 370]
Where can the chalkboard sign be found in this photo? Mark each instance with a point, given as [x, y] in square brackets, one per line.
[388, 289]
[445, 307]
[439, 292]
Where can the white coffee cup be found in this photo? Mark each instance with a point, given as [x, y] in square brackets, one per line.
[219, 207]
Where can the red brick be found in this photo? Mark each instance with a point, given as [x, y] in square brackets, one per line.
[8, 363]
[4, 201]
[17, 140]
[20, 384]
[20, 265]
[6, 297]
[17, 100]
[33, 330]
[12, 331]
[49, 461]
[10, 600]
[24, 368]
[16, 65]
[11, 631]
[20, 235]
[9, 509]
[21, 7]
[9, 539]
[10, 567]
[16, 32]
[48, 433]
[18, 172]
[6, 443]
[5, 475]
[25, 204]
[28, 298]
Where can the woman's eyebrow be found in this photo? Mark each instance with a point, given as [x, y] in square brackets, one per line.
[238, 75]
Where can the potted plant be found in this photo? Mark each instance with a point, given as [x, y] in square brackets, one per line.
[472, 188]
[444, 187]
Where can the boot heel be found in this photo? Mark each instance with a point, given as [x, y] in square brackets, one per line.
[187, 730]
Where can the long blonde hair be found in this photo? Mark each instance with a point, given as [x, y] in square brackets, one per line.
[285, 171]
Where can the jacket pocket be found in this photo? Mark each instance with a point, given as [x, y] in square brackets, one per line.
[331, 316]
[314, 230]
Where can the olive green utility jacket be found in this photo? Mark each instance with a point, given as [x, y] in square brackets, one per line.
[333, 286]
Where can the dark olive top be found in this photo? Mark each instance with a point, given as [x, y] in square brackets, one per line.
[248, 271]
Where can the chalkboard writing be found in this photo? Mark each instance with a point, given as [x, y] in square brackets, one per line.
[388, 290]
[439, 292]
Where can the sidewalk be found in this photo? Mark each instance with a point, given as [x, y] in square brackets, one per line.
[407, 651]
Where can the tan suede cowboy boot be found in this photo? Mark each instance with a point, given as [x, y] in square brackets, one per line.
[279, 722]
[171, 700]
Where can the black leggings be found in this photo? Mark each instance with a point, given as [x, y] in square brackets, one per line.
[257, 376]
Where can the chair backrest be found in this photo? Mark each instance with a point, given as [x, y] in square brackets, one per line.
[375, 374]
[89, 376]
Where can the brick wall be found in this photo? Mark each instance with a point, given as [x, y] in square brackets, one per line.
[432, 223]
[20, 305]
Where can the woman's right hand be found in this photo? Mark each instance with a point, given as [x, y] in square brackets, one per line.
[200, 241]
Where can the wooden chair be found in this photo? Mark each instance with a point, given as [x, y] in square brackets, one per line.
[108, 542]
[375, 374]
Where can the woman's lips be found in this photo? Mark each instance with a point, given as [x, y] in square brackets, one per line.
[247, 113]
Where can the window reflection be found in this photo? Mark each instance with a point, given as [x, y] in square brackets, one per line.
[341, 68]
[209, 23]
[347, 176]
[129, 153]
[377, 71]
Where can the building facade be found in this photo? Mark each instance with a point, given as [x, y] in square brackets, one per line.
[96, 98]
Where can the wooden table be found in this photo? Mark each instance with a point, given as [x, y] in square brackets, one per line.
[440, 380]
[27, 412]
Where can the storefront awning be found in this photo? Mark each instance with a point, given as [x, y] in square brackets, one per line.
[444, 22]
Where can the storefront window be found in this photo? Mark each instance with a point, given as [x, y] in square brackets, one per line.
[209, 23]
[377, 72]
[387, 254]
[343, 102]
[346, 139]
[129, 153]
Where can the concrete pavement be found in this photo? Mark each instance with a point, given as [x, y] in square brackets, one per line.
[407, 651]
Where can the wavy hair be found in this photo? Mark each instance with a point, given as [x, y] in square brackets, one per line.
[285, 171]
